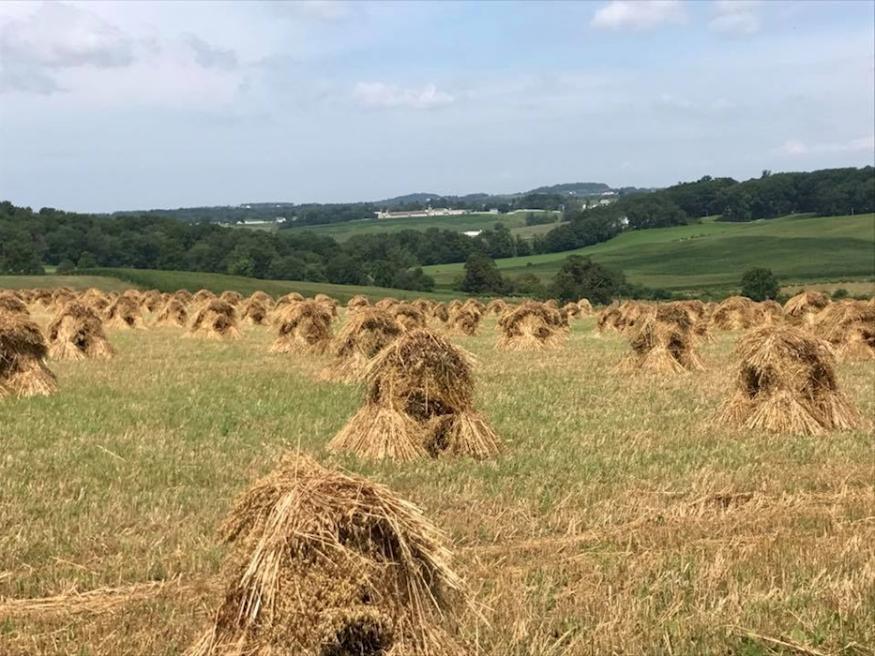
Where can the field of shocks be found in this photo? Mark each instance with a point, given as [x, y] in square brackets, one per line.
[711, 256]
[620, 518]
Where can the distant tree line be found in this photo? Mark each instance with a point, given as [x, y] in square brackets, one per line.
[578, 277]
[149, 240]
[829, 192]
[28, 240]
[305, 214]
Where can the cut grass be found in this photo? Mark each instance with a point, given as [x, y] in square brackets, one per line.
[712, 256]
[619, 519]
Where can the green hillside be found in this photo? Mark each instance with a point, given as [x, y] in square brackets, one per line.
[708, 257]
[515, 221]
[168, 281]
[711, 256]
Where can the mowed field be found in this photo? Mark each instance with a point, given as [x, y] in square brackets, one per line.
[515, 221]
[712, 256]
[620, 519]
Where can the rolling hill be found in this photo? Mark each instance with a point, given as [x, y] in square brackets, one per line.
[711, 256]
[707, 258]
[515, 221]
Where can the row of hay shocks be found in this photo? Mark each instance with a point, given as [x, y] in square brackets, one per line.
[786, 381]
[328, 563]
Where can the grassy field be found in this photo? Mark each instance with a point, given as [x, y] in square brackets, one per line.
[170, 281]
[619, 520]
[105, 283]
[516, 222]
[712, 256]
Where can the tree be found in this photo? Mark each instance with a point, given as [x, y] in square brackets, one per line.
[18, 255]
[240, 262]
[522, 247]
[499, 241]
[482, 276]
[344, 270]
[580, 277]
[289, 267]
[528, 284]
[86, 261]
[65, 266]
[759, 284]
[413, 279]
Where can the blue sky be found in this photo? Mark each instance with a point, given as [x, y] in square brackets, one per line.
[130, 105]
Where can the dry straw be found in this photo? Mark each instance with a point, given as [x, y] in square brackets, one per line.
[363, 336]
[497, 307]
[202, 296]
[423, 305]
[803, 307]
[786, 383]
[849, 327]
[23, 371]
[771, 311]
[357, 302]
[254, 311]
[43, 297]
[570, 310]
[11, 303]
[231, 297]
[304, 327]
[585, 307]
[284, 305]
[326, 563]
[328, 302]
[215, 320]
[151, 300]
[387, 303]
[736, 313]
[465, 321]
[262, 297]
[76, 333]
[440, 312]
[619, 317]
[408, 316]
[123, 312]
[662, 342]
[174, 313]
[419, 402]
[530, 326]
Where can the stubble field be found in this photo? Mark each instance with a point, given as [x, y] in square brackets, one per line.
[620, 518]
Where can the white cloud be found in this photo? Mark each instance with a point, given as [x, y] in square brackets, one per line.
[57, 36]
[210, 56]
[736, 17]
[381, 95]
[795, 147]
[620, 14]
[60, 36]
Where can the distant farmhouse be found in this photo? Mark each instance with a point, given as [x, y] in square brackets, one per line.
[604, 198]
[429, 211]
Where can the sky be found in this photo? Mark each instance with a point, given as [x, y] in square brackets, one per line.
[107, 106]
